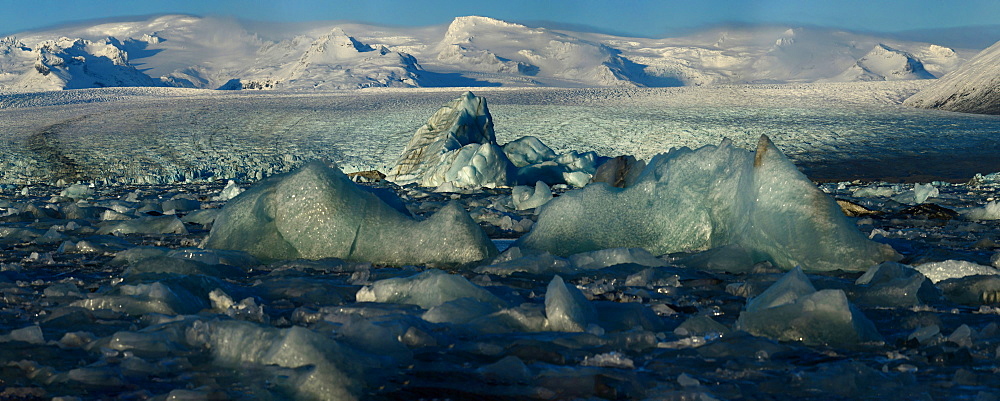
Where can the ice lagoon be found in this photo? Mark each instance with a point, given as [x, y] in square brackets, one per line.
[106, 293]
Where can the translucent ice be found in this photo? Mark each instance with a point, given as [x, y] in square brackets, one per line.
[457, 144]
[792, 310]
[615, 256]
[566, 308]
[318, 212]
[334, 372]
[894, 284]
[30, 335]
[528, 150]
[989, 211]
[699, 199]
[428, 289]
[146, 225]
[77, 191]
[526, 197]
[923, 191]
[938, 271]
[229, 192]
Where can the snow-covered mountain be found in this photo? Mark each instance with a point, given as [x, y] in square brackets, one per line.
[972, 88]
[195, 52]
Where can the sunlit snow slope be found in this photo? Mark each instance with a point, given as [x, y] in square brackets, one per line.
[211, 53]
[973, 88]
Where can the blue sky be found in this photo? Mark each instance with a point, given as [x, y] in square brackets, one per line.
[636, 17]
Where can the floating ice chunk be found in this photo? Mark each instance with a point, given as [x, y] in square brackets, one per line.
[528, 150]
[77, 191]
[317, 212]
[457, 144]
[229, 192]
[201, 216]
[138, 299]
[215, 256]
[989, 211]
[472, 166]
[335, 369]
[146, 225]
[728, 258]
[566, 308]
[793, 285]
[147, 343]
[894, 284]
[133, 255]
[30, 335]
[98, 376]
[513, 261]
[458, 311]
[874, 191]
[577, 179]
[509, 369]
[377, 339]
[174, 265]
[938, 271]
[62, 290]
[923, 191]
[700, 326]
[609, 360]
[529, 198]
[717, 195]
[428, 289]
[615, 256]
[973, 290]
[792, 310]
[180, 204]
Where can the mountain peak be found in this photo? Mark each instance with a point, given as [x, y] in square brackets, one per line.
[462, 28]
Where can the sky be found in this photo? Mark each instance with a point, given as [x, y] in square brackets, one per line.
[629, 17]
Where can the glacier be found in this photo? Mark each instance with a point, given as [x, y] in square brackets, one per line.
[710, 197]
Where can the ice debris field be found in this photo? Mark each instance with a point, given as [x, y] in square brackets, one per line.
[548, 244]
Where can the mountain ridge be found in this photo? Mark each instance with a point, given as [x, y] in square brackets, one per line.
[207, 53]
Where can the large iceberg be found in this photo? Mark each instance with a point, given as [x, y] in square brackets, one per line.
[317, 212]
[457, 145]
[687, 200]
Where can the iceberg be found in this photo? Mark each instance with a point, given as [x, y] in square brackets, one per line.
[457, 148]
[318, 212]
[526, 197]
[427, 290]
[334, 371]
[792, 310]
[566, 308]
[458, 145]
[687, 200]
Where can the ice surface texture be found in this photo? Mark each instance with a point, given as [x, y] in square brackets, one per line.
[317, 212]
[458, 145]
[792, 310]
[710, 197]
